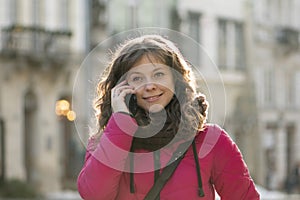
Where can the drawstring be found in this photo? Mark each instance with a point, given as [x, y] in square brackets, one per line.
[156, 156]
[200, 189]
[131, 170]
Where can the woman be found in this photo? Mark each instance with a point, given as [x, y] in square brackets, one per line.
[153, 141]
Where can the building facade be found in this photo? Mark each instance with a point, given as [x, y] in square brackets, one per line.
[42, 45]
[44, 76]
[275, 66]
[222, 30]
[255, 45]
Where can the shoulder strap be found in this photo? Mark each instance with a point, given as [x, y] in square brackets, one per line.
[168, 171]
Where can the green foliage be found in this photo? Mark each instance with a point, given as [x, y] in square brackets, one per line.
[17, 189]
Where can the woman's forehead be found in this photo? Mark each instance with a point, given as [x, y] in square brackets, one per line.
[148, 67]
[147, 59]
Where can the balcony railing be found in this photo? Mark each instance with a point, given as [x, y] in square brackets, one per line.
[287, 36]
[35, 43]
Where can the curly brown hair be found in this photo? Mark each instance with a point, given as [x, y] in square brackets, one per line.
[185, 97]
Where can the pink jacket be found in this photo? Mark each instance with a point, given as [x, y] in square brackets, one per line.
[105, 171]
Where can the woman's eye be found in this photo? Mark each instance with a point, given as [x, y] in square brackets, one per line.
[137, 79]
[159, 74]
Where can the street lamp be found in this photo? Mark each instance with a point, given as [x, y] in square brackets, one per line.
[62, 108]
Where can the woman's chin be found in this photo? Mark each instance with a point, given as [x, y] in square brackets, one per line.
[155, 108]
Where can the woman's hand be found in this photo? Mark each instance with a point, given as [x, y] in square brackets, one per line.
[118, 94]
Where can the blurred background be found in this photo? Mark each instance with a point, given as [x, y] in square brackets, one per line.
[253, 43]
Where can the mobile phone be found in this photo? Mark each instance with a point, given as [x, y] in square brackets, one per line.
[130, 101]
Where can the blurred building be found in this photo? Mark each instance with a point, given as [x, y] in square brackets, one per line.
[245, 54]
[255, 45]
[275, 59]
[42, 45]
[222, 29]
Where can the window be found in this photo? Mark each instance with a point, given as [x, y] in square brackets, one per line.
[14, 10]
[97, 14]
[175, 19]
[280, 12]
[297, 89]
[2, 151]
[222, 43]
[194, 32]
[274, 10]
[133, 13]
[269, 88]
[288, 11]
[36, 12]
[292, 97]
[239, 46]
[194, 26]
[30, 135]
[64, 14]
[290, 90]
[231, 45]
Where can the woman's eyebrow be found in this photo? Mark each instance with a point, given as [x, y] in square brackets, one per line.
[132, 73]
[159, 68]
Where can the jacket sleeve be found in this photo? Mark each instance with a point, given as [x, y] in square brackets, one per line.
[230, 174]
[100, 175]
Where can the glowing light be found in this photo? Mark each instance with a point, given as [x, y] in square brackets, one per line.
[71, 115]
[62, 108]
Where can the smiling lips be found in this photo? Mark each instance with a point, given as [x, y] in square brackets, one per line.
[152, 98]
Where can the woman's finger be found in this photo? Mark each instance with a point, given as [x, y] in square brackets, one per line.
[118, 90]
[126, 91]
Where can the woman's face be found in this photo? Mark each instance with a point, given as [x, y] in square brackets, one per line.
[153, 82]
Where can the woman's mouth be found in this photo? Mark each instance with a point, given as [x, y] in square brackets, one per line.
[152, 98]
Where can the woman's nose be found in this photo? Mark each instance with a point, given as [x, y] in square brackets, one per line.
[150, 86]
